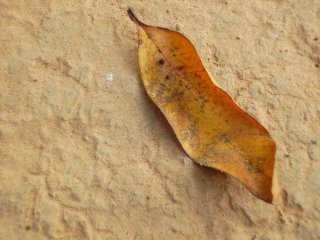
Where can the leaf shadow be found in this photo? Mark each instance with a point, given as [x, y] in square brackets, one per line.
[209, 180]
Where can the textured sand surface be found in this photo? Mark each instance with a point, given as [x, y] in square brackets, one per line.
[86, 158]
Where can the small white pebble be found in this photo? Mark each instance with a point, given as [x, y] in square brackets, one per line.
[109, 77]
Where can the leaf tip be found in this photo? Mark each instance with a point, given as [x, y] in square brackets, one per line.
[269, 200]
[134, 18]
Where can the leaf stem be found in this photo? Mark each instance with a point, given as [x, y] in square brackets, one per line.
[134, 18]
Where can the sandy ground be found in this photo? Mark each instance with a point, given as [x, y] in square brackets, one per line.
[82, 157]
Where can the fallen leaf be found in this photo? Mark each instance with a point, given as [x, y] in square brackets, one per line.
[210, 126]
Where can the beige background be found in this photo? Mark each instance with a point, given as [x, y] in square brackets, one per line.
[86, 158]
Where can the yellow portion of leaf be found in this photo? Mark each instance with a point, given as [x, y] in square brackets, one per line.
[211, 128]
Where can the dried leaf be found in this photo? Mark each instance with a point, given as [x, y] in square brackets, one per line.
[211, 128]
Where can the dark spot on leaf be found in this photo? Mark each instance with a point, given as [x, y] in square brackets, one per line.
[237, 37]
[159, 50]
[147, 197]
[224, 137]
[317, 65]
[180, 68]
[28, 228]
[315, 39]
[161, 61]
[167, 77]
[261, 159]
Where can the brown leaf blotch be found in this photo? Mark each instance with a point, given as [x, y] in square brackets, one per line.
[161, 62]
